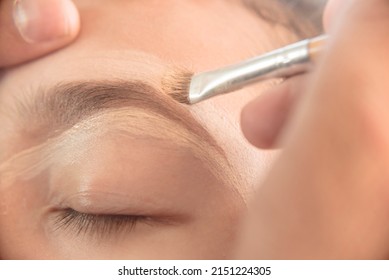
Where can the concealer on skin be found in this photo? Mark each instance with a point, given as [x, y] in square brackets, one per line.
[133, 123]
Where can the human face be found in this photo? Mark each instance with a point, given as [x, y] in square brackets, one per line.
[98, 162]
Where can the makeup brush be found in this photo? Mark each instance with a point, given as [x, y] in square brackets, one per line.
[189, 88]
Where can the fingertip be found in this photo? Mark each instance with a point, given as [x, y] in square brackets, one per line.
[33, 28]
[249, 125]
[251, 129]
[263, 119]
[332, 11]
[256, 125]
[327, 15]
[73, 19]
[42, 21]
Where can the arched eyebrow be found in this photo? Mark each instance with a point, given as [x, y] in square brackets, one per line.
[62, 107]
[65, 104]
[67, 107]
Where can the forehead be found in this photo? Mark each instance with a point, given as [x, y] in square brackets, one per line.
[199, 34]
[139, 39]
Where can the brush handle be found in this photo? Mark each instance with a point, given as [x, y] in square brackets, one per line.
[298, 58]
[286, 62]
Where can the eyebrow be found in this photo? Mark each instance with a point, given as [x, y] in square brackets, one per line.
[64, 105]
[72, 102]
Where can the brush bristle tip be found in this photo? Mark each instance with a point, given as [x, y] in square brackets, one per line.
[177, 84]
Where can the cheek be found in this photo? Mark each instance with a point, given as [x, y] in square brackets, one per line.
[22, 231]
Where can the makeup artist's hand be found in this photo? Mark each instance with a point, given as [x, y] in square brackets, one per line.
[327, 196]
[264, 119]
[32, 28]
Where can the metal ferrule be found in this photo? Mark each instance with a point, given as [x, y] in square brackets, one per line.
[284, 62]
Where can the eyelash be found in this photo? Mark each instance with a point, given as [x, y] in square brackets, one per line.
[96, 224]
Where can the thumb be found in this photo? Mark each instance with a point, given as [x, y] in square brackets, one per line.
[32, 28]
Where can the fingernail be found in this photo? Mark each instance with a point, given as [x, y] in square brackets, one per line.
[45, 20]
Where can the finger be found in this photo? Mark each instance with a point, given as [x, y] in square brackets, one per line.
[333, 8]
[263, 119]
[340, 136]
[353, 71]
[329, 188]
[32, 28]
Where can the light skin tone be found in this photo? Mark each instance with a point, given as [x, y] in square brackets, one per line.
[332, 179]
[180, 176]
[321, 228]
[32, 28]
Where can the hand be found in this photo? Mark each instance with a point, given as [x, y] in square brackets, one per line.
[32, 28]
[264, 119]
[327, 196]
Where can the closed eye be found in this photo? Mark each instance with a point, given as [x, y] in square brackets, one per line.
[99, 225]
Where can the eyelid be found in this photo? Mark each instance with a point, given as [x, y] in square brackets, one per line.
[117, 203]
[105, 216]
[96, 225]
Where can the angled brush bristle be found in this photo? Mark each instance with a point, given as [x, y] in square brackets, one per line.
[176, 85]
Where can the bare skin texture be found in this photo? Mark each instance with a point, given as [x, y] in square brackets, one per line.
[125, 172]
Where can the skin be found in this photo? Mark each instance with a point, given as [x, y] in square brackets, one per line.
[50, 25]
[190, 212]
[332, 178]
[359, 208]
